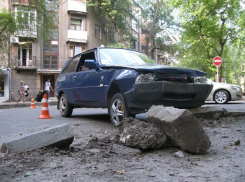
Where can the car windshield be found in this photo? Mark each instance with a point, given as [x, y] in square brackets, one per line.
[122, 57]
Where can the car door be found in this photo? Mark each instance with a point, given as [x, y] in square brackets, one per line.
[86, 82]
[67, 78]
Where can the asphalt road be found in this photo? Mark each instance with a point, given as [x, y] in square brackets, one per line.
[18, 122]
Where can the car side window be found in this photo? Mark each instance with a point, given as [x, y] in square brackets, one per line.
[85, 56]
[71, 67]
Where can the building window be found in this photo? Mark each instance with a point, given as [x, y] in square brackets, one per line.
[25, 55]
[75, 24]
[97, 31]
[108, 37]
[51, 46]
[51, 5]
[50, 62]
[76, 49]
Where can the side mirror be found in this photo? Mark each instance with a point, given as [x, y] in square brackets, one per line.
[91, 64]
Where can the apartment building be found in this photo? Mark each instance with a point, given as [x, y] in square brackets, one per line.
[34, 60]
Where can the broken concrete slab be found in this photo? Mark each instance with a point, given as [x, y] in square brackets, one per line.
[181, 127]
[138, 134]
[61, 137]
[235, 112]
[210, 112]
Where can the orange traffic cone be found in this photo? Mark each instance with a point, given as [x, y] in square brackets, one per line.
[45, 112]
[32, 103]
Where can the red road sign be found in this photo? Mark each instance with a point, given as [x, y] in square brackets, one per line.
[217, 61]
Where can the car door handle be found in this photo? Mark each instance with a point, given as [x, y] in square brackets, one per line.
[74, 77]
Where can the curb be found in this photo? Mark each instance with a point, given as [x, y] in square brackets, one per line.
[20, 105]
[210, 112]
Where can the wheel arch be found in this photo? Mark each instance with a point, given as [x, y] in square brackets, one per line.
[114, 89]
[220, 90]
[58, 98]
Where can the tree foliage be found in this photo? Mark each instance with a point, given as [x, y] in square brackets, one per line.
[158, 17]
[117, 12]
[209, 26]
[7, 25]
[233, 64]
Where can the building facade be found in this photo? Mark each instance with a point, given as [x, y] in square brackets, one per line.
[33, 59]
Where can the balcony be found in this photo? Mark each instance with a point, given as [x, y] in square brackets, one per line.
[77, 6]
[29, 31]
[77, 36]
[25, 64]
[26, 22]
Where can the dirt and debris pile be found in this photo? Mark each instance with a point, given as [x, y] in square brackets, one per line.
[165, 125]
[108, 146]
[138, 134]
[181, 127]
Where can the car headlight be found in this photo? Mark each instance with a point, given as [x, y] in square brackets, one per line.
[200, 79]
[235, 88]
[144, 78]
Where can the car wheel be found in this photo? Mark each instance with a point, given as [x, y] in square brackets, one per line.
[118, 109]
[221, 97]
[65, 108]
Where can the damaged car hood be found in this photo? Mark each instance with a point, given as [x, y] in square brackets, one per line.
[162, 69]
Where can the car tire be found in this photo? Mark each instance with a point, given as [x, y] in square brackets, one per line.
[221, 97]
[118, 109]
[66, 109]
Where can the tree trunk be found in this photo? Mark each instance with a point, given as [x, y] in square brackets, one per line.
[119, 31]
[151, 32]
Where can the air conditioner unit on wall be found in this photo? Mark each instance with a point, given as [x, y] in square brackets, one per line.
[14, 39]
[106, 29]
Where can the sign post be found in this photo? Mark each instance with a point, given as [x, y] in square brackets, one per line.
[217, 61]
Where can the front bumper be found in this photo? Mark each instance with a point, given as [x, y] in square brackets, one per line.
[236, 94]
[179, 95]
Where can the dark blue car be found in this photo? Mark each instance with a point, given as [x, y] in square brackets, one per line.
[126, 82]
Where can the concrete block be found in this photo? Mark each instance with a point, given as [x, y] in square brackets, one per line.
[181, 127]
[61, 137]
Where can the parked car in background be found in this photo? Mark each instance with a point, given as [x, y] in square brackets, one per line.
[223, 92]
[126, 82]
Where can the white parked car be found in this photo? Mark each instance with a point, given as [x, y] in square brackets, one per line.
[223, 92]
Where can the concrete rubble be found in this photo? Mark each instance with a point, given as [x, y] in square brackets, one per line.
[137, 134]
[165, 125]
[179, 154]
[181, 127]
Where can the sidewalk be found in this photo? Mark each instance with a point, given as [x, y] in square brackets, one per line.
[53, 101]
[9, 105]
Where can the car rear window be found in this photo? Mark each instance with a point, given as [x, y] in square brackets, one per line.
[71, 67]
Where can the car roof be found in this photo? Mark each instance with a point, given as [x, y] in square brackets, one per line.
[97, 48]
